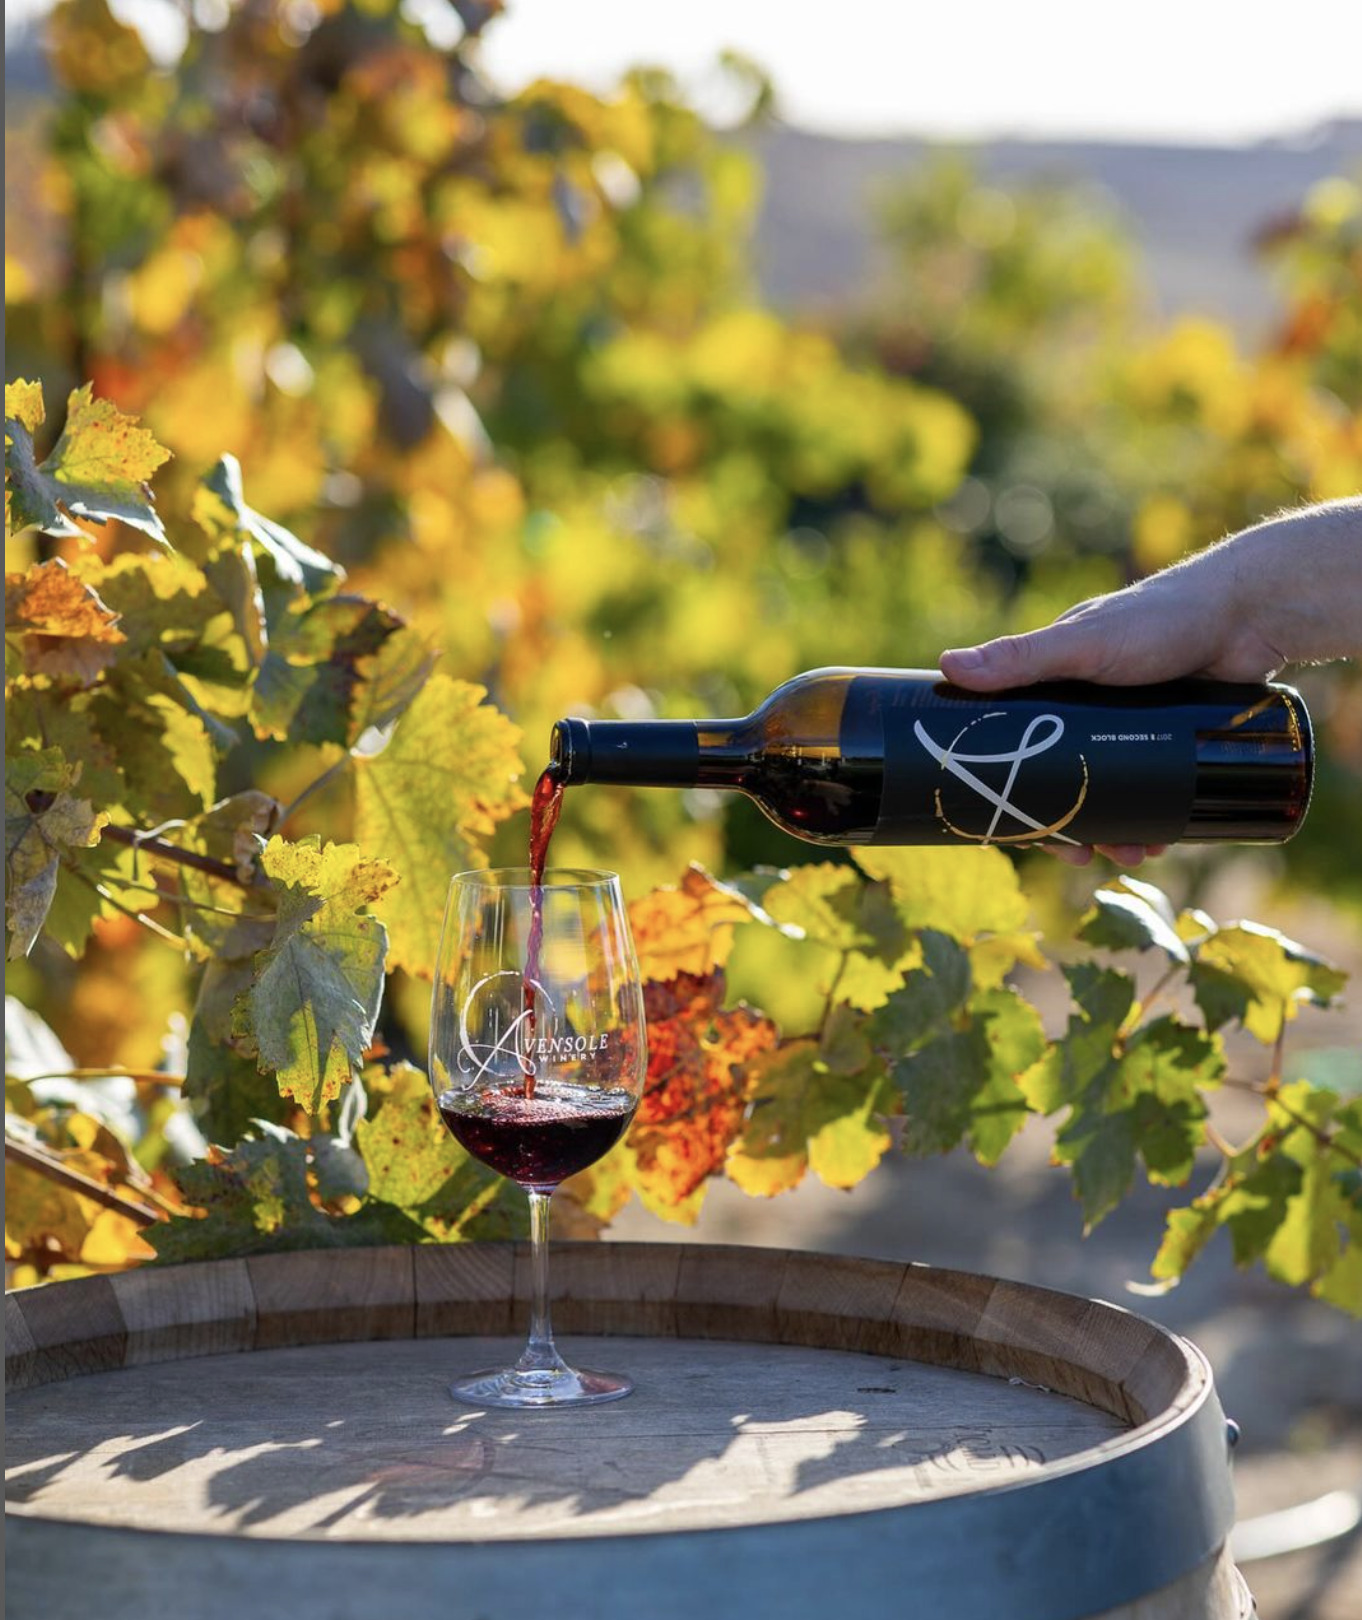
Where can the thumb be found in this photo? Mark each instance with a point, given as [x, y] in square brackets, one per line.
[1066, 650]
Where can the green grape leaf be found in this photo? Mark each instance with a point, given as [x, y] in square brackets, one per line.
[313, 673]
[44, 822]
[929, 997]
[97, 470]
[318, 987]
[165, 752]
[1261, 978]
[1134, 917]
[82, 874]
[1100, 1149]
[221, 511]
[440, 787]
[1142, 1094]
[1104, 999]
[961, 1085]
[225, 1089]
[831, 906]
[821, 901]
[255, 1197]
[804, 1116]
[1015, 1039]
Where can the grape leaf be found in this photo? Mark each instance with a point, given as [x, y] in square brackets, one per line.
[806, 1116]
[1015, 1039]
[44, 821]
[318, 987]
[1144, 1094]
[97, 470]
[1104, 998]
[389, 680]
[961, 892]
[830, 906]
[225, 1089]
[1261, 978]
[24, 403]
[221, 511]
[927, 1000]
[689, 928]
[312, 675]
[1134, 917]
[412, 1160]
[439, 788]
[961, 1084]
[256, 1201]
[696, 1089]
[63, 628]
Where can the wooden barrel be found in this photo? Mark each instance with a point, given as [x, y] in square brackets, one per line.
[809, 1436]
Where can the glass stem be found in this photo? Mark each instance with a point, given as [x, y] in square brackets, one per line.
[540, 1353]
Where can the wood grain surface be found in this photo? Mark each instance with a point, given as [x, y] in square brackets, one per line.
[774, 1392]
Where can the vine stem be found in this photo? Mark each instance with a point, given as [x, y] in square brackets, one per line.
[315, 786]
[1271, 1090]
[116, 1072]
[47, 1164]
[1141, 1007]
[829, 1004]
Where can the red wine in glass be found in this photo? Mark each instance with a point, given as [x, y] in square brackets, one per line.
[542, 1140]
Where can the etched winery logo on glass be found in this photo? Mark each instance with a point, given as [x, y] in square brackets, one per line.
[992, 794]
[517, 1033]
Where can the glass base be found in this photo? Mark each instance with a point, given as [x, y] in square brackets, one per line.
[556, 1386]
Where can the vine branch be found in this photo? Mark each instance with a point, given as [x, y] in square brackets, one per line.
[172, 852]
[47, 1164]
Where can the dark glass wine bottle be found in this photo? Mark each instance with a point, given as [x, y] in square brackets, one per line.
[900, 756]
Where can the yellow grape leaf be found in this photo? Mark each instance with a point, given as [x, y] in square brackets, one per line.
[24, 402]
[687, 929]
[42, 823]
[428, 801]
[97, 470]
[961, 892]
[804, 1114]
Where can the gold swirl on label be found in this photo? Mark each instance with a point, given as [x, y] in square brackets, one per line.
[1042, 733]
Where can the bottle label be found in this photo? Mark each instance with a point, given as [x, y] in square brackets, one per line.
[965, 768]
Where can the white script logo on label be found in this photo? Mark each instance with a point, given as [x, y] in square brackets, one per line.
[519, 1039]
[1040, 736]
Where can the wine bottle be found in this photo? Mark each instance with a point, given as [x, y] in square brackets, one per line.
[901, 756]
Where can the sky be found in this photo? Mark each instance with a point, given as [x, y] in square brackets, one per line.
[1202, 70]
[1211, 71]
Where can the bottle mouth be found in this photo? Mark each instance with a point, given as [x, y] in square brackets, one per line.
[570, 751]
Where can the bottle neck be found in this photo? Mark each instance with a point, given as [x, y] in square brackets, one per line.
[651, 753]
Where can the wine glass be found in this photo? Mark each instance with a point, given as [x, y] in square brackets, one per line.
[537, 1057]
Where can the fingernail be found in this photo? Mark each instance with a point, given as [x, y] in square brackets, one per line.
[968, 657]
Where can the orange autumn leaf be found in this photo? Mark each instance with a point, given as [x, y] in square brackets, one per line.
[66, 628]
[695, 1096]
[688, 929]
[51, 600]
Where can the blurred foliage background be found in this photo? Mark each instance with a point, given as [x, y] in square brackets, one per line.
[505, 360]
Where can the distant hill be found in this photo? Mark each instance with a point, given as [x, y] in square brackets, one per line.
[1193, 210]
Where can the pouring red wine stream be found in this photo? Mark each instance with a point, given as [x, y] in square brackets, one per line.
[545, 808]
